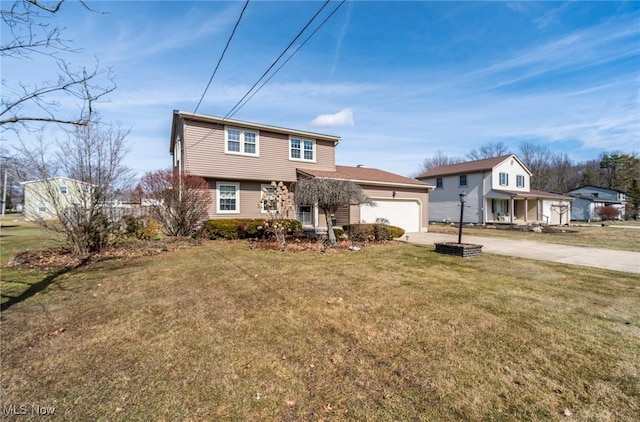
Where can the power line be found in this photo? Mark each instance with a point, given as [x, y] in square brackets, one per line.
[233, 109]
[237, 107]
[288, 58]
[222, 55]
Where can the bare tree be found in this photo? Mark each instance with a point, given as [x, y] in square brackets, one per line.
[177, 200]
[329, 195]
[562, 173]
[538, 159]
[80, 206]
[561, 209]
[27, 32]
[488, 150]
[438, 160]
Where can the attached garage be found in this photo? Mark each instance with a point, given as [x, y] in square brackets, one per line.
[404, 202]
[400, 213]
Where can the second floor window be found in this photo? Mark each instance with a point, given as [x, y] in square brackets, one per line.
[439, 183]
[520, 181]
[302, 149]
[241, 142]
[63, 189]
[463, 180]
[504, 179]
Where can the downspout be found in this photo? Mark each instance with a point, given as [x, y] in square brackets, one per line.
[483, 200]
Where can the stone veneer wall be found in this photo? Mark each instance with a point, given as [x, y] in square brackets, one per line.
[465, 250]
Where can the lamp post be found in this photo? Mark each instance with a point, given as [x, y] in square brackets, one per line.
[463, 199]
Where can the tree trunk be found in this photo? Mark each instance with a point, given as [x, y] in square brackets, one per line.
[330, 233]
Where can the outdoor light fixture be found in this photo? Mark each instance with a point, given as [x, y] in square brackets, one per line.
[394, 194]
[463, 199]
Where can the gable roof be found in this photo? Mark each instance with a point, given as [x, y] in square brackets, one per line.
[221, 122]
[367, 175]
[470, 166]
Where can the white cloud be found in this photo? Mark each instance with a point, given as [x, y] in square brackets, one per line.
[341, 118]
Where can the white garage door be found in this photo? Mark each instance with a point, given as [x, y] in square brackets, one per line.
[405, 214]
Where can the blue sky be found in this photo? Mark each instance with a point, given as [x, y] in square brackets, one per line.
[398, 81]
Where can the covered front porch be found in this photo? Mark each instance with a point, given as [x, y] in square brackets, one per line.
[533, 207]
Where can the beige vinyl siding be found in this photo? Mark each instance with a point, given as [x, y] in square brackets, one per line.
[325, 157]
[48, 193]
[322, 220]
[342, 216]
[250, 193]
[354, 214]
[205, 156]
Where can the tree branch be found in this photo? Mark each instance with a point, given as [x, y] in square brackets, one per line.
[29, 33]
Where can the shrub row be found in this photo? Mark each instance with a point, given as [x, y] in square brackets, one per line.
[242, 228]
[371, 232]
[141, 227]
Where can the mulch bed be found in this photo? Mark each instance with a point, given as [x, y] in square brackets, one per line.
[64, 258]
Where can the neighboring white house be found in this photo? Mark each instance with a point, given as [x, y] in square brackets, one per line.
[44, 198]
[498, 191]
[589, 198]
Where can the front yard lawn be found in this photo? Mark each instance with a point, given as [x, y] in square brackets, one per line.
[392, 332]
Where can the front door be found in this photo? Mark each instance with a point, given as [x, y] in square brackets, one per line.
[304, 214]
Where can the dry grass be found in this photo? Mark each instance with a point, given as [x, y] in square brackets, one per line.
[397, 332]
[619, 235]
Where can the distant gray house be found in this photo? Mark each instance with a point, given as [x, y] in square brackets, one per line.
[589, 198]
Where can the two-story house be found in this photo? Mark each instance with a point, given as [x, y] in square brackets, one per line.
[589, 198]
[44, 199]
[498, 191]
[238, 159]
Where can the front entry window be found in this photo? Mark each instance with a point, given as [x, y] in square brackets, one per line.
[500, 209]
[304, 215]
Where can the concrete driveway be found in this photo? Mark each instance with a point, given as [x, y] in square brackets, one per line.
[608, 259]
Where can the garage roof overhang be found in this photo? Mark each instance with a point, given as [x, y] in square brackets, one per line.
[417, 185]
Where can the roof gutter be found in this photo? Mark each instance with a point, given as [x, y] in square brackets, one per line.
[258, 126]
[372, 182]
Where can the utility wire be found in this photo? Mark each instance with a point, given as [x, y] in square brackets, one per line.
[222, 55]
[288, 58]
[233, 109]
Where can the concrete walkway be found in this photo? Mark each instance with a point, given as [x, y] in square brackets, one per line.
[608, 259]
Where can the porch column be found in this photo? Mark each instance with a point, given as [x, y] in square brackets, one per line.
[526, 210]
[511, 212]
